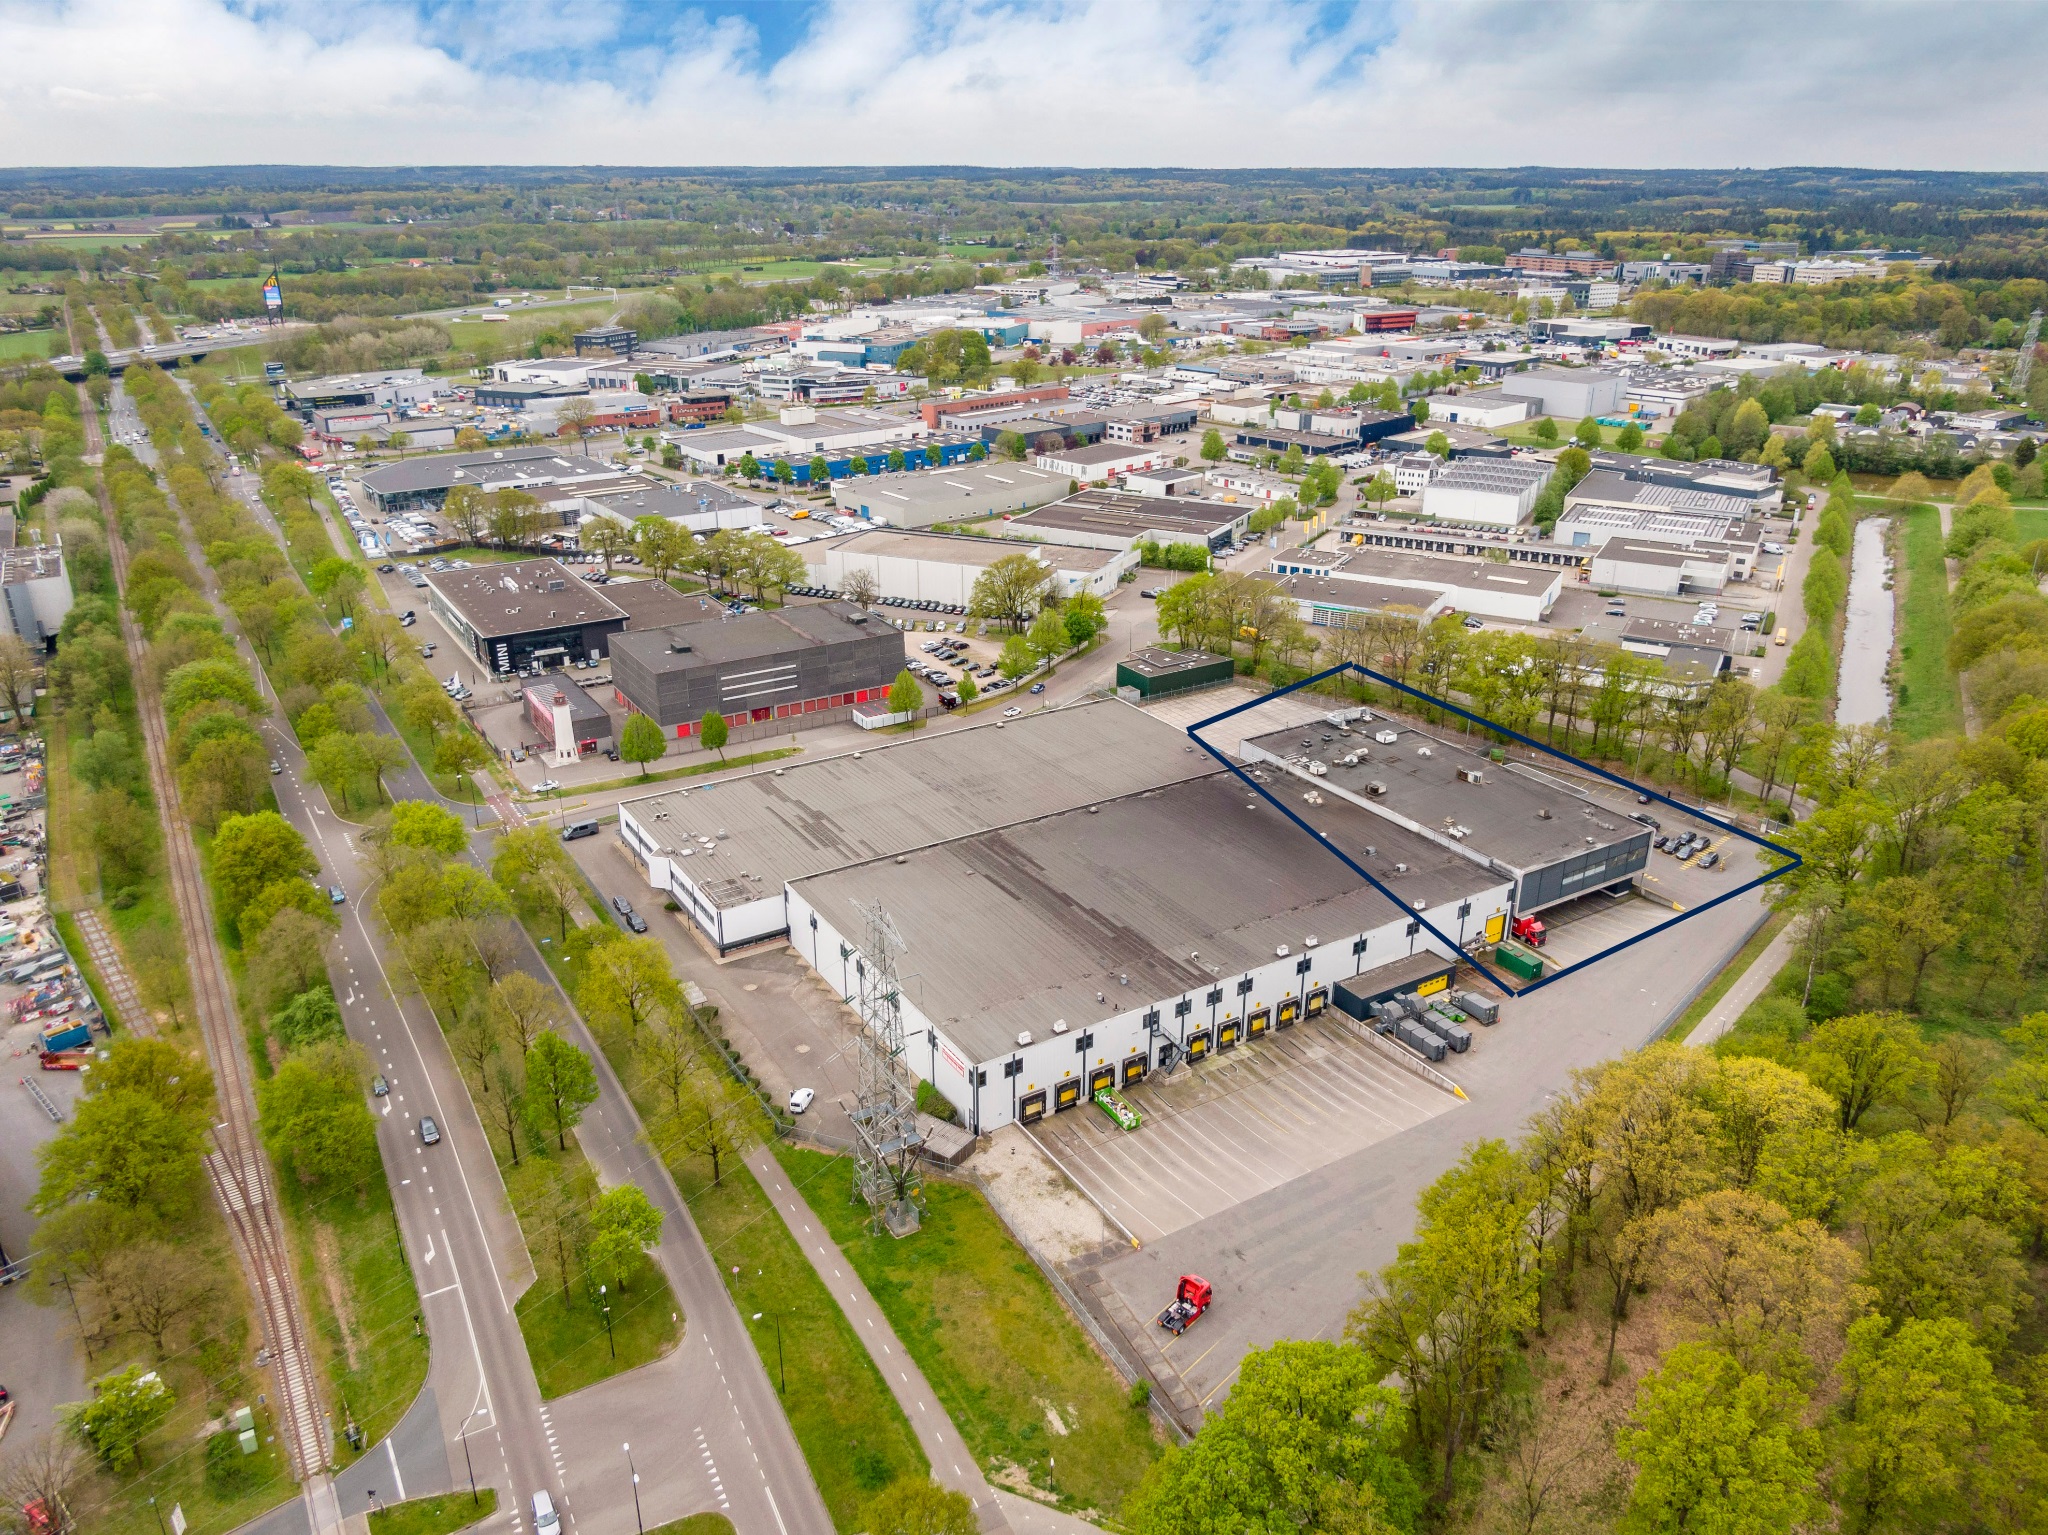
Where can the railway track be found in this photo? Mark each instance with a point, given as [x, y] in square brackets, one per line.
[237, 1168]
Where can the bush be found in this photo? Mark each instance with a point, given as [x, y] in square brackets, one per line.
[935, 1103]
[228, 1471]
[1141, 1394]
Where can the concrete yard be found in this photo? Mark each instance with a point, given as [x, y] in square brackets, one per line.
[1239, 1124]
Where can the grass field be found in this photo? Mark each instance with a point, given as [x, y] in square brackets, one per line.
[2029, 523]
[695, 1524]
[1928, 702]
[435, 1516]
[16, 345]
[991, 1336]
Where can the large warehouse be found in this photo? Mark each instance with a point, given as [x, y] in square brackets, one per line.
[963, 493]
[1496, 492]
[1082, 895]
[943, 567]
[1107, 519]
[425, 482]
[767, 672]
[1554, 845]
[528, 613]
[1516, 593]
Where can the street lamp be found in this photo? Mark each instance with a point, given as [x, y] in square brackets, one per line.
[466, 1461]
[607, 1305]
[642, 1528]
[159, 1516]
[781, 1375]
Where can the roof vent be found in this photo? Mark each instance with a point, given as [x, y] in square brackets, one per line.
[1422, 751]
[1471, 775]
[1281, 951]
[1094, 809]
[1024, 1038]
[1309, 942]
[1543, 814]
[1400, 868]
[679, 647]
[1059, 1025]
[901, 859]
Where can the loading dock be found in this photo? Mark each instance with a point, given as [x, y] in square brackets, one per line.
[1099, 1078]
[1226, 1034]
[1031, 1107]
[1317, 1001]
[1198, 1045]
[1066, 1094]
[1290, 1009]
[1259, 1022]
[1134, 1069]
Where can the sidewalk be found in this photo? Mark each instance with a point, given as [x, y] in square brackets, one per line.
[1747, 988]
[953, 1464]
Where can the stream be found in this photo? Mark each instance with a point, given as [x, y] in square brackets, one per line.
[1867, 640]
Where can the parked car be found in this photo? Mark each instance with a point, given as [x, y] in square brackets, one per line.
[1711, 861]
[276, 767]
[546, 786]
[430, 1133]
[1012, 712]
[379, 1087]
[801, 1099]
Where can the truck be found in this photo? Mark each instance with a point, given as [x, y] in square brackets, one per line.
[1530, 930]
[1190, 1300]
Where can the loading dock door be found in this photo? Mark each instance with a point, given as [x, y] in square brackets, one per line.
[1289, 1011]
[1226, 1034]
[1198, 1044]
[1318, 1000]
[1496, 927]
[1031, 1107]
[1134, 1069]
[1099, 1078]
[1066, 1094]
[1258, 1023]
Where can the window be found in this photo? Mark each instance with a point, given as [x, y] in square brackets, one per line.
[1152, 1019]
[1302, 965]
[1215, 997]
[1084, 1044]
[1244, 987]
[1182, 1008]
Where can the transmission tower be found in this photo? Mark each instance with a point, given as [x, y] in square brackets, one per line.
[2024, 368]
[886, 1171]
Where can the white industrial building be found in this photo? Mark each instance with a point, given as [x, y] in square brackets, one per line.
[1496, 492]
[965, 492]
[1354, 578]
[1416, 472]
[37, 586]
[1650, 569]
[1107, 460]
[1572, 393]
[943, 567]
[1490, 409]
[702, 506]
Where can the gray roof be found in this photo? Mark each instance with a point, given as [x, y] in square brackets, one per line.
[1101, 511]
[715, 641]
[1610, 488]
[659, 498]
[535, 465]
[655, 604]
[1504, 812]
[1053, 910]
[1374, 596]
[914, 792]
[583, 709]
[522, 596]
[1504, 474]
[969, 549]
[1153, 662]
[1374, 562]
[1100, 452]
[1633, 553]
[967, 487]
[1665, 631]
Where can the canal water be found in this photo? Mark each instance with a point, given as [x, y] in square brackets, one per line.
[1862, 698]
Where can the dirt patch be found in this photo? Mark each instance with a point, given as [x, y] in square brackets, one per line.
[328, 1258]
[1037, 1201]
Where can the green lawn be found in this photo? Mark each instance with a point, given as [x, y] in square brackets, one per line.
[435, 1516]
[18, 344]
[695, 1524]
[1928, 703]
[991, 1336]
[2029, 523]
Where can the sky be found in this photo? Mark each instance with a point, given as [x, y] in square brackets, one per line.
[1660, 83]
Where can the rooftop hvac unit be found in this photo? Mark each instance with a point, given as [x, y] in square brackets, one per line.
[1400, 868]
[1318, 769]
[1281, 952]
[1059, 1025]
[1386, 737]
[1423, 751]
[1375, 787]
[1543, 814]
[1024, 1038]
[1471, 775]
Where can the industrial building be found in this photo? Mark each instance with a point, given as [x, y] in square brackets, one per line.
[1516, 593]
[1495, 492]
[1718, 533]
[569, 720]
[1761, 485]
[1104, 519]
[1652, 569]
[943, 567]
[1554, 844]
[1105, 460]
[394, 388]
[415, 483]
[1490, 409]
[1082, 894]
[524, 616]
[702, 506]
[1572, 393]
[1153, 673]
[37, 586]
[767, 672]
[963, 492]
[1699, 652]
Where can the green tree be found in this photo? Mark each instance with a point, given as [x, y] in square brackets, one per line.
[1588, 433]
[1010, 590]
[917, 1505]
[1308, 1440]
[1017, 658]
[1819, 467]
[204, 682]
[1546, 430]
[1862, 1060]
[124, 1147]
[421, 824]
[1048, 636]
[1928, 1432]
[1629, 439]
[308, 1019]
[1438, 444]
[1013, 446]
[713, 732]
[561, 1082]
[315, 1117]
[623, 1229]
[905, 696]
[641, 741]
[967, 690]
[1716, 1449]
[820, 472]
[1213, 449]
[627, 983]
[125, 1409]
[1445, 1315]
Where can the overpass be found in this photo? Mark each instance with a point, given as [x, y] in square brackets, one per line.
[171, 353]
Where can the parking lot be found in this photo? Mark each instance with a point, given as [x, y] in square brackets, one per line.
[1239, 1124]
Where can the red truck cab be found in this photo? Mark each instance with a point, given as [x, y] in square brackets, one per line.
[1530, 930]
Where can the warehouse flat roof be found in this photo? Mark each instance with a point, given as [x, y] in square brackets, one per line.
[1637, 553]
[522, 596]
[656, 604]
[716, 641]
[1376, 563]
[1100, 452]
[1350, 592]
[970, 549]
[1153, 662]
[882, 801]
[494, 467]
[1105, 511]
[1515, 815]
[962, 482]
[1057, 909]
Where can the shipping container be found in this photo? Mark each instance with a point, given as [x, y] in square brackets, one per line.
[1518, 962]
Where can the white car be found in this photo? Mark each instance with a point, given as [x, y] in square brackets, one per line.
[801, 1099]
[1012, 712]
[546, 786]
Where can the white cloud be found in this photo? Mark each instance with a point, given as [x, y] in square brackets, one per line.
[1009, 82]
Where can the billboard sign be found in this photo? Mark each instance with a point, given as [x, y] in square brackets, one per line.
[273, 295]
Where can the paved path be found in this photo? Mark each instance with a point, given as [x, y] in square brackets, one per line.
[1747, 988]
[953, 1464]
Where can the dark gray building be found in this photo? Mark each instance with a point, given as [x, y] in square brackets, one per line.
[765, 672]
[523, 615]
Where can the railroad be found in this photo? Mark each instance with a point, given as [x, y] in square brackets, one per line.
[238, 1169]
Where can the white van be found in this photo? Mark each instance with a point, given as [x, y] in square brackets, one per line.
[545, 1520]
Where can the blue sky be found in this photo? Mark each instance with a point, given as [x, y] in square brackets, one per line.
[1022, 82]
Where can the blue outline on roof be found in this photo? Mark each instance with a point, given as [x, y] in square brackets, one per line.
[1793, 860]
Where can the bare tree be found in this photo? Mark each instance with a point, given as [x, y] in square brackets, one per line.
[158, 1286]
[522, 1008]
[18, 668]
[861, 588]
[42, 1475]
